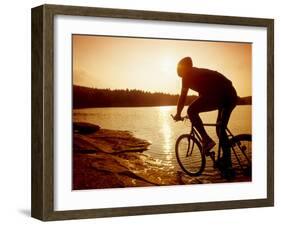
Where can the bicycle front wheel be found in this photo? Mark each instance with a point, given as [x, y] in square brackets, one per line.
[190, 155]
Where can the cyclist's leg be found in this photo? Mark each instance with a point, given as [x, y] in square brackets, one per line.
[202, 104]
[222, 121]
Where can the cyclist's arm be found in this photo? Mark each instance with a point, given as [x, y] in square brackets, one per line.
[181, 100]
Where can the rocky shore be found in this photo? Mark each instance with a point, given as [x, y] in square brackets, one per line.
[105, 158]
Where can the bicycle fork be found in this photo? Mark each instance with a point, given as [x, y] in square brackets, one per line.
[189, 150]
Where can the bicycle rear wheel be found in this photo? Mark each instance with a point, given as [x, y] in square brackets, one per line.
[241, 153]
[189, 155]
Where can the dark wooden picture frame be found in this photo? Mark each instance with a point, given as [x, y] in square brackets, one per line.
[42, 203]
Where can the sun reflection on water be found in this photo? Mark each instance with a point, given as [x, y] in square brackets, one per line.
[166, 131]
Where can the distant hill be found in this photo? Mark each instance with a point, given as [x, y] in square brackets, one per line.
[84, 97]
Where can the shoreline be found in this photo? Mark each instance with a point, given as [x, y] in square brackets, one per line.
[142, 106]
[104, 158]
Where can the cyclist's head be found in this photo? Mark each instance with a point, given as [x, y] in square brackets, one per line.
[184, 66]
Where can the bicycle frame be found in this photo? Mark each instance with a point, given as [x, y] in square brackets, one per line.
[196, 134]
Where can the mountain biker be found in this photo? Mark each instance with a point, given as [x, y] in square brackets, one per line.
[216, 92]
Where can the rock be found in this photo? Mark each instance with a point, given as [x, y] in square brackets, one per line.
[137, 166]
[86, 175]
[115, 159]
[108, 141]
[132, 170]
[85, 128]
[185, 179]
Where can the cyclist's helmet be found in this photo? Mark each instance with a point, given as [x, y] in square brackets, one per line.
[184, 66]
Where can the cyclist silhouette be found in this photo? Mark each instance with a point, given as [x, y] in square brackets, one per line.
[216, 92]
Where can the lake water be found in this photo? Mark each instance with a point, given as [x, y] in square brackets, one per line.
[156, 125]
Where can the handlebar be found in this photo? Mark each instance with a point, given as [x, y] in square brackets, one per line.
[205, 124]
[181, 119]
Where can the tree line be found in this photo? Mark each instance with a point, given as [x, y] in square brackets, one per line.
[84, 97]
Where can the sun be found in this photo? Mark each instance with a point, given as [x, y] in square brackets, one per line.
[168, 65]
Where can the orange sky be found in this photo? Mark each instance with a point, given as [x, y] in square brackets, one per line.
[150, 64]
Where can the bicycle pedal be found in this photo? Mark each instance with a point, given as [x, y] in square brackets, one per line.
[211, 154]
[208, 153]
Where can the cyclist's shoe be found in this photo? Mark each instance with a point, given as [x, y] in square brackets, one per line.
[207, 146]
[228, 173]
[226, 170]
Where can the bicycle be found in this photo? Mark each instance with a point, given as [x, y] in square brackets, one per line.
[192, 160]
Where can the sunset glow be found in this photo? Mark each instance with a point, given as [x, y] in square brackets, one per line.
[150, 64]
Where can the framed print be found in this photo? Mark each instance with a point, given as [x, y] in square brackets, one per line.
[142, 112]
